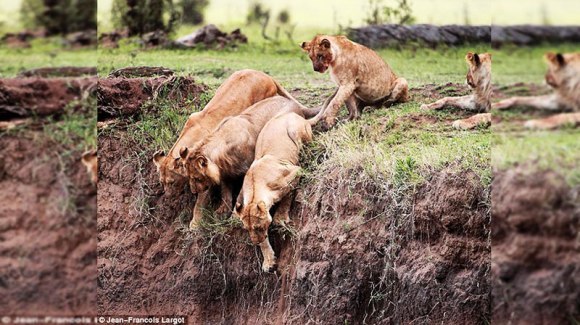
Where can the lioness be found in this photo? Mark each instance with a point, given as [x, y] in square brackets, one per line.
[479, 79]
[89, 159]
[564, 77]
[228, 152]
[271, 179]
[363, 78]
[240, 91]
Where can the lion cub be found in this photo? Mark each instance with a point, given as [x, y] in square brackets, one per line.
[479, 79]
[363, 78]
[228, 152]
[271, 179]
[564, 76]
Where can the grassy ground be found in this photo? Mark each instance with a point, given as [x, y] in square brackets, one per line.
[423, 147]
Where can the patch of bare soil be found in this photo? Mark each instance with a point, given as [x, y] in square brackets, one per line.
[41, 96]
[119, 96]
[47, 229]
[59, 72]
[535, 257]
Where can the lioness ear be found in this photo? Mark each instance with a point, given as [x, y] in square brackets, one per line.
[177, 162]
[305, 46]
[201, 162]
[555, 58]
[238, 207]
[560, 59]
[325, 43]
[473, 58]
[88, 156]
[183, 152]
[158, 157]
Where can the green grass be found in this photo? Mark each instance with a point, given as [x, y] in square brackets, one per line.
[385, 146]
[43, 53]
[556, 150]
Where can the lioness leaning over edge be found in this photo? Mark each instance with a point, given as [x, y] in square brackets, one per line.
[479, 79]
[272, 178]
[228, 152]
[563, 76]
[240, 91]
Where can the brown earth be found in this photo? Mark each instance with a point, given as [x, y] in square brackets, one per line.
[535, 255]
[47, 229]
[41, 96]
[357, 253]
[118, 96]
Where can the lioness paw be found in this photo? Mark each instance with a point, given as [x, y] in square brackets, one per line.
[462, 125]
[537, 125]
[269, 266]
[502, 104]
[193, 225]
[424, 107]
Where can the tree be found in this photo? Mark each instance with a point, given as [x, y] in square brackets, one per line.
[143, 16]
[400, 13]
[59, 16]
[192, 11]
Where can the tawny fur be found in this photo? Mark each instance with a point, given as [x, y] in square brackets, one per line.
[362, 76]
[228, 152]
[563, 76]
[271, 179]
[89, 159]
[479, 79]
[240, 91]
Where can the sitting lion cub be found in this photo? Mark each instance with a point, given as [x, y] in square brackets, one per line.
[564, 76]
[271, 179]
[240, 91]
[362, 76]
[479, 79]
[228, 152]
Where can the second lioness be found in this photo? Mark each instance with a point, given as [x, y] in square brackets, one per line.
[271, 179]
[479, 79]
[228, 152]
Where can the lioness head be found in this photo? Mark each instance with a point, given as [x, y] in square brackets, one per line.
[203, 173]
[320, 52]
[479, 69]
[256, 220]
[89, 159]
[556, 64]
[170, 170]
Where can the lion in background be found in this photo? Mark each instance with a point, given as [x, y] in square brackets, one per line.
[479, 79]
[362, 76]
[563, 76]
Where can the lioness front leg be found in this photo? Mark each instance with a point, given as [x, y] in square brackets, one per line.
[548, 102]
[554, 121]
[200, 205]
[282, 215]
[225, 206]
[269, 263]
[463, 102]
[343, 93]
[471, 122]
